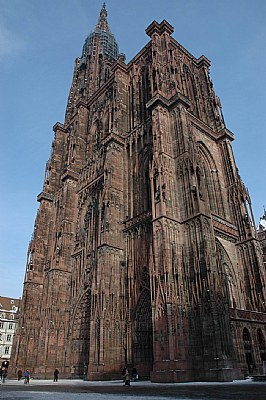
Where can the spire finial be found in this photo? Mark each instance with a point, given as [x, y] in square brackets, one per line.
[103, 8]
[102, 21]
[264, 214]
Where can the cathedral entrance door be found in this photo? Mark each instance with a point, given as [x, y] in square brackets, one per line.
[142, 335]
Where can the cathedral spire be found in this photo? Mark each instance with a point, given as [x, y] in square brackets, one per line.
[264, 215]
[101, 38]
[102, 21]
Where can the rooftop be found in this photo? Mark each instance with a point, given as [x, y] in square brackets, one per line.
[9, 304]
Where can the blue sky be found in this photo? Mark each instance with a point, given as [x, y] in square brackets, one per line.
[39, 41]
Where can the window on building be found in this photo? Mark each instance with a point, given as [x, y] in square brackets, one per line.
[7, 350]
[11, 316]
[8, 338]
[10, 326]
[0, 337]
[1, 325]
[3, 315]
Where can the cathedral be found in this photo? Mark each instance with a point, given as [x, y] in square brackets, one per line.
[145, 252]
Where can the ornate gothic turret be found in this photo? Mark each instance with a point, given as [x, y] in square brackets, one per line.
[92, 69]
[101, 40]
[261, 230]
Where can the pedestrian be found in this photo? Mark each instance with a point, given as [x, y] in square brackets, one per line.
[135, 375]
[5, 364]
[56, 373]
[26, 376]
[4, 375]
[19, 374]
[85, 370]
[123, 373]
[127, 378]
[72, 370]
[1, 373]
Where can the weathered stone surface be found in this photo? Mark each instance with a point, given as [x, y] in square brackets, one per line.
[145, 250]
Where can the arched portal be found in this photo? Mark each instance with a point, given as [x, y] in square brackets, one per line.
[248, 350]
[79, 336]
[142, 335]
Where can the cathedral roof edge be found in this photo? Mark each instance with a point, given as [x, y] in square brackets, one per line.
[59, 126]
[45, 196]
[160, 28]
[202, 60]
[119, 64]
[140, 54]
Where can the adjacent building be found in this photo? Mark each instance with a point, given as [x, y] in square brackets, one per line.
[145, 251]
[8, 322]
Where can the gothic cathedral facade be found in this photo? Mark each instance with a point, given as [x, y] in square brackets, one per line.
[145, 251]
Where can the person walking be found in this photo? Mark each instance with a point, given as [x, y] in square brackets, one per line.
[56, 373]
[135, 375]
[19, 374]
[26, 376]
[123, 373]
[127, 378]
[72, 371]
[4, 375]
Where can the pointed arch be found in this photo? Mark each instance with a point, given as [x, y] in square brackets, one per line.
[139, 171]
[227, 272]
[191, 89]
[79, 333]
[247, 342]
[209, 181]
[106, 122]
[142, 334]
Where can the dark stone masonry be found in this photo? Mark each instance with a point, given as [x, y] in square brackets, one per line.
[144, 251]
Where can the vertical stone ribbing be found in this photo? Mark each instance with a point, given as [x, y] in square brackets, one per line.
[144, 250]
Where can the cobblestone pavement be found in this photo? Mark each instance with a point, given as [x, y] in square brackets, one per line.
[114, 390]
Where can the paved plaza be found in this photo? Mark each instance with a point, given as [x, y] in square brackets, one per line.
[114, 390]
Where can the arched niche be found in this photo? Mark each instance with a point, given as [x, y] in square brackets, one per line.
[248, 350]
[142, 334]
[228, 275]
[208, 180]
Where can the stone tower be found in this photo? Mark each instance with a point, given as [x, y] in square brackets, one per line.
[144, 250]
[261, 229]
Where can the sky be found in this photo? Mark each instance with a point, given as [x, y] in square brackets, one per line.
[39, 41]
